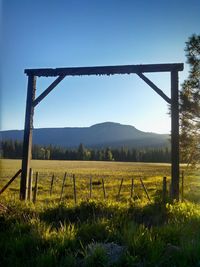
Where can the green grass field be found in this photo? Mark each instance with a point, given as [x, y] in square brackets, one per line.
[97, 231]
[111, 172]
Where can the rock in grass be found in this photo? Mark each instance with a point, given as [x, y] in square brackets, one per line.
[111, 251]
[171, 250]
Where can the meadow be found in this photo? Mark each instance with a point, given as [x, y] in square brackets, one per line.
[98, 231]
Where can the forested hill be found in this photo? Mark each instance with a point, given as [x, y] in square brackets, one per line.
[101, 135]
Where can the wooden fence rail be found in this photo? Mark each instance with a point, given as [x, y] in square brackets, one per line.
[30, 184]
[74, 187]
[132, 187]
[11, 180]
[51, 186]
[63, 185]
[164, 190]
[120, 188]
[90, 186]
[182, 186]
[35, 188]
[128, 186]
[104, 190]
[145, 189]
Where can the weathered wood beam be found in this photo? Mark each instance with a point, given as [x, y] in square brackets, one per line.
[174, 136]
[105, 70]
[48, 90]
[11, 180]
[27, 143]
[102, 70]
[154, 87]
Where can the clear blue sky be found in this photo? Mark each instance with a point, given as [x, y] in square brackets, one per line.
[67, 33]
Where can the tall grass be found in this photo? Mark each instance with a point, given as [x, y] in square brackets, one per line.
[97, 232]
[59, 235]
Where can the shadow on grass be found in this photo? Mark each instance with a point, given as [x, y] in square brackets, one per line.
[60, 235]
[88, 211]
[152, 214]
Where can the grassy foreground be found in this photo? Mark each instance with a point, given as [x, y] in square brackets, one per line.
[98, 232]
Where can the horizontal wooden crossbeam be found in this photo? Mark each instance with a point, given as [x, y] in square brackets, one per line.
[105, 70]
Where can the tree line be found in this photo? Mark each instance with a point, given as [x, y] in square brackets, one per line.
[13, 150]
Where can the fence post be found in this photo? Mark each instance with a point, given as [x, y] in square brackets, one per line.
[120, 187]
[145, 190]
[170, 190]
[35, 188]
[63, 184]
[51, 187]
[182, 187]
[30, 184]
[104, 191]
[164, 191]
[132, 187]
[74, 184]
[90, 186]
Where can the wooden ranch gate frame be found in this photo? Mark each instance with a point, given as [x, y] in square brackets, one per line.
[61, 73]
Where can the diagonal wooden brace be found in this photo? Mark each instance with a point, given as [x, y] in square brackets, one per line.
[48, 90]
[154, 87]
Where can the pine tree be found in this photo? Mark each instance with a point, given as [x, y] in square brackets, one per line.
[190, 105]
[81, 152]
[108, 154]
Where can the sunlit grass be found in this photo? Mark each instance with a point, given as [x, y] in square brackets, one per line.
[54, 233]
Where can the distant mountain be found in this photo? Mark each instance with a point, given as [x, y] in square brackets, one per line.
[99, 136]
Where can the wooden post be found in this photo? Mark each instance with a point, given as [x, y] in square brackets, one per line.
[132, 187]
[51, 186]
[170, 190]
[63, 184]
[27, 142]
[182, 187]
[104, 191]
[145, 190]
[164, 191]
[30, 184]
[175, 135]
[74, 185]
[35, 188]
[120, 187]
[90, 186]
